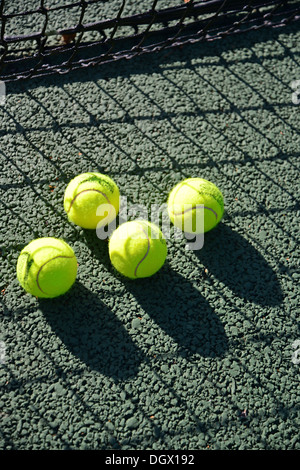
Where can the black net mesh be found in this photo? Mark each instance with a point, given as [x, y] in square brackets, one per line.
[42, 37]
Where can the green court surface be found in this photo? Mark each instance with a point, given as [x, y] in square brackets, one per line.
[204, 354]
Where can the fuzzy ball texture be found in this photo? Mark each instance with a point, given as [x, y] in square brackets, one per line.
[195, 205]
[92, 200]
[47, 267]
[137, 249]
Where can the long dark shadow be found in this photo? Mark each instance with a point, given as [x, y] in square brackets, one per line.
[180, 310]
[93, 333]
[151, 62]
[236, 263]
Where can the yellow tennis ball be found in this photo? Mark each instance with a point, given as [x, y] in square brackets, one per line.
[195, 205]
[137, 249]
[92, 200]
[47, 267]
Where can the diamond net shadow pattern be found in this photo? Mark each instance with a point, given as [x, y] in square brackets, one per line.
[31, 46]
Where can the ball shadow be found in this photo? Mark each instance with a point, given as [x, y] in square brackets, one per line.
[235, 262]
[181, 312]
[92, 333]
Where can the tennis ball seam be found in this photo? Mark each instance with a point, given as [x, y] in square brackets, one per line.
[201, 193]
[146, 254]
[86, 191]
[30, 262]
[197, 206]
[148, 247]
[204, 193]
[43, 265]
[98, 179]
[41, 278]
[91, 200]
[138, 252]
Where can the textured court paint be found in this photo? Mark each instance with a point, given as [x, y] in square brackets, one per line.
[201, 356]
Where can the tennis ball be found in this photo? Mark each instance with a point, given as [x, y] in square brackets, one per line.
[191, 196]
[92, 200]
[137, 249]
[47, 267]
